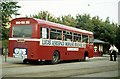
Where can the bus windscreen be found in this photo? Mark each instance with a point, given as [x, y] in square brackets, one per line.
[22, 31]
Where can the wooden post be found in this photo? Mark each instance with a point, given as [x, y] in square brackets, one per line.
[5, 52]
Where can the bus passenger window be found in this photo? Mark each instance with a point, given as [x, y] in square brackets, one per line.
[67, 35]
[79, 37]
[56, 34]
[44, 33]
[85, 38]
[76, 37]
[91, 39]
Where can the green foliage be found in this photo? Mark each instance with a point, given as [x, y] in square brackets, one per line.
[104, 30]
[84, 22]
[5, 33]
[5, 43]
[68, 20]
[8, 9]
[45, 15]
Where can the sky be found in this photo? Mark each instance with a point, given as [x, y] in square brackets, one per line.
[101, 8]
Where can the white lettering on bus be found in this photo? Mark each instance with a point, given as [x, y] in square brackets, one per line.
[21, 53]
[47, 42]
[72, 49]
[22, 22]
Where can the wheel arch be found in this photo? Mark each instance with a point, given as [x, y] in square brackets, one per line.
[58, 53]
[86, 53]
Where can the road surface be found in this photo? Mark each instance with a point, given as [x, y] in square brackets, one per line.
[94, 67]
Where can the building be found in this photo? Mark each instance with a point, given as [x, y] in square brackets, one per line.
[98, 47]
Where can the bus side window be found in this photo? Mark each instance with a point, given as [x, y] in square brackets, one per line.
[85, 38]
[91, 39]
[44, 33]
[79, 37]
[56, 34]
[76, 37]
[67, 35]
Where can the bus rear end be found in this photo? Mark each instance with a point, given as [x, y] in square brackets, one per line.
[22, 38]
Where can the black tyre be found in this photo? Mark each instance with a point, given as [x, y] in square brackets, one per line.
[85, 56]
[55, 57]
[25, 61]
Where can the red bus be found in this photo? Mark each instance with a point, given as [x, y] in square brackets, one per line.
[36, 39]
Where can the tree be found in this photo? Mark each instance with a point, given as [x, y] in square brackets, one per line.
[8, 9]
[84, 22]
[68, 20]
[107, 20]
[104, 30]
[45, 15]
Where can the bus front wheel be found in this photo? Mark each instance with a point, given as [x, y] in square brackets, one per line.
[85, 56]
[55, 57]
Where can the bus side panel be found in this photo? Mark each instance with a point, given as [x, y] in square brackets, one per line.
[63, 53]
[73, 55]
[70, 55]
[10, 49]
[81, 53]
[32, 50]
[46, 52]
[90, 50]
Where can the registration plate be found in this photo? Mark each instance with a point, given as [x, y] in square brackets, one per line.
[20, 53]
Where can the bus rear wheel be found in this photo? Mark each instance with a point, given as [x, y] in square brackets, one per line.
[55, 57]
[25, 61]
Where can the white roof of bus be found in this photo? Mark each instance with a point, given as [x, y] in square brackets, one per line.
[63, 26]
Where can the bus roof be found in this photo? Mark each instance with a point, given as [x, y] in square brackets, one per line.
[63, 26]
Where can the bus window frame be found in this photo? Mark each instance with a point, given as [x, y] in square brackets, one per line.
[68, 33]
[13, 27]
[56, 32]
[87, 38]
[41, 32]
[90, 39]
[78, 35]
